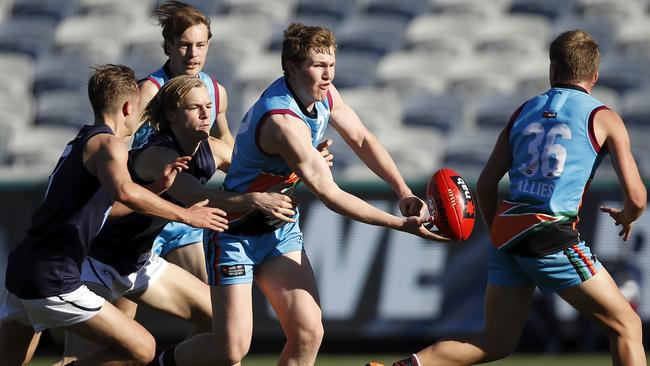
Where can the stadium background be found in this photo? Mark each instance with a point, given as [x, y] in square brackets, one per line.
[435, 80]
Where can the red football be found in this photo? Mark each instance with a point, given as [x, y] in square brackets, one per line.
[451, 204]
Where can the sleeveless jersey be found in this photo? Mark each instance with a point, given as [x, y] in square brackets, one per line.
[159, 78]
[253, 170]
[554, 157]
[125, 242]
[48, 261]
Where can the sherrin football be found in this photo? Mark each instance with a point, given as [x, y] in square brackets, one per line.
[451, 204]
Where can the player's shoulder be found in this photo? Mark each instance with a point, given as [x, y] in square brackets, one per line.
[148, 87]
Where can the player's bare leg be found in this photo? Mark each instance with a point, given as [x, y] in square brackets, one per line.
[75, 346]
[191, 258]
[232, 330]
[180, 294]
[506, 311]
[17, 342]
[600, 300]
[124, 341]
[288, 283]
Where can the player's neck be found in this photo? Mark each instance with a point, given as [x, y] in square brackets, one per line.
[119, 128]
[305, 102]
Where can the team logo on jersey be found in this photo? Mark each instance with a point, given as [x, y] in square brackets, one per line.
[236, 270]
[549, 114]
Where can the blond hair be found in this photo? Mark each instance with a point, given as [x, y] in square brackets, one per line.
[576, 55]
[299, 39]
[169, 98]
[109, 86]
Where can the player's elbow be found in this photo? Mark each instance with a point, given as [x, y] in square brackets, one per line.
[125, 195]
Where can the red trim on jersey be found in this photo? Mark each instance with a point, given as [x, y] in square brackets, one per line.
[156, 83]
[214, 241]
[330, 102]
[512, 119]
[590, 128]
[585, 260]
[216, 94]
[263, 119]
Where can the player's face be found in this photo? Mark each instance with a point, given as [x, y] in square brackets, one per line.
[187, 53]
[314, 76]
[193, 117]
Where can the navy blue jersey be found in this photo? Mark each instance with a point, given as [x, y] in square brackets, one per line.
[124, 243]
[48, 261]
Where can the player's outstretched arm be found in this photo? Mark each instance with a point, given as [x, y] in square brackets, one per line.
[287, 136]
[372, 153]
[105, 156]
[487, 186]
[187, 188]
[611, 132]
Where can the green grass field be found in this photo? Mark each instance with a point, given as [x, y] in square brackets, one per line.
[345, 360]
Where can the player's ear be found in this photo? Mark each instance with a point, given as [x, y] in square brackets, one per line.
[594, 78]
[128, 107]
[289, 67]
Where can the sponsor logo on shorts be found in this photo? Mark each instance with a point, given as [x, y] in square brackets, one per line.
[233, 271]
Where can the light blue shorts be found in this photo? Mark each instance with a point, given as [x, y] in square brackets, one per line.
[232, 259]
[175, 235]
[554, 272]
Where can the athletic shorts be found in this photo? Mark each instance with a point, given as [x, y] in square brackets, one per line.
[54, 311]
[106, 281]
[552, 273]
[232, 259]
[175, 235]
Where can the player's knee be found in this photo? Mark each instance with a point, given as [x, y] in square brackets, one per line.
[237, 350]
[145, 351]
[498, 349]
[627, 325]
[308, 335]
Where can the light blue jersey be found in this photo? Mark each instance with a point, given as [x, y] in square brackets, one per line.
[554, 156]
[253, 170]
[253, 238]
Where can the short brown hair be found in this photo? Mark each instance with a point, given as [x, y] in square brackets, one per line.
[576, 55]
[175, 17]
[109, 86]
[299, 39]
[169, 98]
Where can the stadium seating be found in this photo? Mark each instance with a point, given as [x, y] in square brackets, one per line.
[439, 69]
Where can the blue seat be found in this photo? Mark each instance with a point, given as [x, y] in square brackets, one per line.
[55, 10]
[377, 35]
[32, 36]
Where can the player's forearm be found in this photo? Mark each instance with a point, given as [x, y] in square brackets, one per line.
[633, 207]
[357, 209]
[375, 156]
[145, 202]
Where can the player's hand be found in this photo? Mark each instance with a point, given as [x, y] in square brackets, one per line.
[416, 226]
[619, 219]
[412, 206]
[169, 173]
[274, 204]
[323, 148]
[212, 218]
